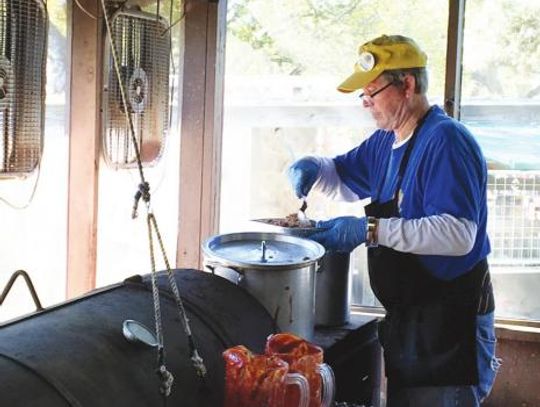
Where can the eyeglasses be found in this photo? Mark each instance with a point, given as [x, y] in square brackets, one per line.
[373, 94]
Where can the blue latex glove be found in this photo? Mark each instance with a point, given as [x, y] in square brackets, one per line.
[302, 175]
[342, 234]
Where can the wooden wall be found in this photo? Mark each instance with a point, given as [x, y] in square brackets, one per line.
[518, 381]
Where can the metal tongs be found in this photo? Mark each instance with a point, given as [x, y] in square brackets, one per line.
[302, 218]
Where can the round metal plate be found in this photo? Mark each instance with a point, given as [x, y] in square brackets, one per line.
[138, 333]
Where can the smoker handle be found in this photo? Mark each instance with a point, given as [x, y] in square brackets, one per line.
[235, 278]
[29, 284]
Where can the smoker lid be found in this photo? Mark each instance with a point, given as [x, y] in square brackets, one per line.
[262, 250]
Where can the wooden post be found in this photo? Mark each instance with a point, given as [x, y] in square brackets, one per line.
[454, 57]
[201, 128]
[83, 149]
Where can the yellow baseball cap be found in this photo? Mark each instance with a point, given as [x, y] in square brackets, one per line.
[382, 54]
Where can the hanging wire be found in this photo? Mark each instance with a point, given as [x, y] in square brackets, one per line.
[176, 22]
[170, 11]
[84, 10]
[173, 66]
[32, 194]
[26, 204]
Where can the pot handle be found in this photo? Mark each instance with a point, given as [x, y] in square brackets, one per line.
[328, 385]
[230, 273]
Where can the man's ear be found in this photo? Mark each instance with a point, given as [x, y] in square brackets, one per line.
[409, 85]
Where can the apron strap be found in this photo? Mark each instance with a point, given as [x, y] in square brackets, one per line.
[406, 156]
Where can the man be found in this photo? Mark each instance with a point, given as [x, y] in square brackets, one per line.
[425, 230]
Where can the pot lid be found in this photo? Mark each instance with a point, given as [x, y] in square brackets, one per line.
[262, 250]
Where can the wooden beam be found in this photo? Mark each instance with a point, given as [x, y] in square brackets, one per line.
[201, 128]
[454, 58]
[83, 149]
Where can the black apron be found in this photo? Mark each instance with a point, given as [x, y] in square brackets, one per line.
[429, 332]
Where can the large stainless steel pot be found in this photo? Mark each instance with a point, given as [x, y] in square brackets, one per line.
[277, 269]
[332, 293]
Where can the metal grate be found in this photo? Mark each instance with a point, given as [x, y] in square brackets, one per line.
[23, 57]
[143, 52]
[514, 218]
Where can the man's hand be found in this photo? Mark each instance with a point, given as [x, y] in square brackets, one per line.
[302, 175]
[342, 234]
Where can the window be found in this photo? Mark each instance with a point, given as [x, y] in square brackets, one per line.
[284, 60]
[123, 247]
[501, 105]
[34, 238]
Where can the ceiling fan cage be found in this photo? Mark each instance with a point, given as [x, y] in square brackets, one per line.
[23, 57]
[143, 53]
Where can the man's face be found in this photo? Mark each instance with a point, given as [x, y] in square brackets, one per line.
[385, 101]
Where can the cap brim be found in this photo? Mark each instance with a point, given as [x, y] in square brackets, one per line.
[358, 80]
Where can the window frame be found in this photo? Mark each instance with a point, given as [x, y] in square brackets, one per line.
[201, 133]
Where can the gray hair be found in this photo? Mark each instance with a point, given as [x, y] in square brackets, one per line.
[397, 76]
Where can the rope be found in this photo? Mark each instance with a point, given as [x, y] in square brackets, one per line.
[143, 192]
[123, 93]
[196, 359]
[164, 375]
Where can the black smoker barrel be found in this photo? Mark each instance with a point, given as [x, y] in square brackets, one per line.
[74, 354]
